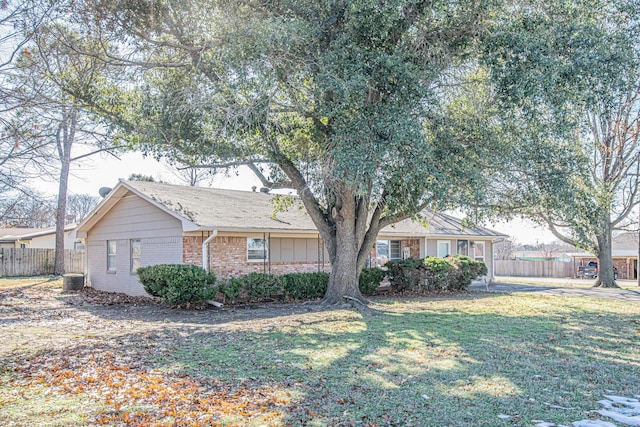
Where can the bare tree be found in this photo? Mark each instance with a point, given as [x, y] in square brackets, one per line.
[193, 176]
[27, 211]
[550, 249]
[44, 121]
[79, 206]
[141, 177]
[504, 249]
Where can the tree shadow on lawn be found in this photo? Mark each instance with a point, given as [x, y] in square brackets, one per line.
[439, 369]
[620, 294]
[148, 310]
[430, 365]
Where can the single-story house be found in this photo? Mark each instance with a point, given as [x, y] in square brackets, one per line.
[44, 238]
[238, 232]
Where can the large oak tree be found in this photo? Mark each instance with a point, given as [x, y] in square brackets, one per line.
[371, 110]
[351, 103]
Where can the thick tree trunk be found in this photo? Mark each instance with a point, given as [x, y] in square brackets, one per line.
[606, 278]
[343, 281]
[348, 229]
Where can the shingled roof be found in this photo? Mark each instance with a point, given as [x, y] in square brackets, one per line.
[230, 210]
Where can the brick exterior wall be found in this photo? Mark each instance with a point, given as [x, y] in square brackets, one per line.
[414, 247]
[228, 258]
[412, 244]
[626, 271]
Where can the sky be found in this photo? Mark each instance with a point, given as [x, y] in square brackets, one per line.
[105, 171]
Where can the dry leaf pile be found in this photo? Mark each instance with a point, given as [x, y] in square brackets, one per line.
[135, 396]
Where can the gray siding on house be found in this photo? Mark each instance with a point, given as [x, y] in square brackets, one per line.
[432, 248]
[160, 237]
[295, 250]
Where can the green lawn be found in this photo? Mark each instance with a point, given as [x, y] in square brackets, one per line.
[459, 361]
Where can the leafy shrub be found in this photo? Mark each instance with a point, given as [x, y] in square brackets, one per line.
[305, 285]
[435, 275]
[262, 285]
[466, 269]
[370, 279]
[232, 288]
[256, 286]
[177, 283]
[402, 273]
[259, 286]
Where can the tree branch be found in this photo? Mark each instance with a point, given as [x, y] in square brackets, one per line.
[107, 149]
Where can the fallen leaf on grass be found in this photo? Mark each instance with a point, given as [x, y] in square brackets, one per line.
[167, 399]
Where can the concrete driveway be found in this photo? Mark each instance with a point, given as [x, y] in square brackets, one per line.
[561, 287]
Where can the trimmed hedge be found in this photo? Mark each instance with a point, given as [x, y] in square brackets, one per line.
[305, 285]
[434, 274]
[370, 279]
[403, 274]
[177, 283]
[465, 270]
[292, 286]
[260, 286]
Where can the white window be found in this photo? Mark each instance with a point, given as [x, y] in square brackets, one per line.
[136, 248]
[478, 251]
[444, 248]
[257, 249]
[387, 250]
[111, 255]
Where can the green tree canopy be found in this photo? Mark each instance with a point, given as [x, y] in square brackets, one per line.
[351, 103]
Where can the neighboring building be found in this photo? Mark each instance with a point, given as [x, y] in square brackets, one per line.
[235, 233]
[624, 251]
[10, 237]
[44, 238]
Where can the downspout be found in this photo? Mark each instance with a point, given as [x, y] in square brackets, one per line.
[205, 250]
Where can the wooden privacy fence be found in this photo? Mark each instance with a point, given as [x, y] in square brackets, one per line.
[534, 268]
[37, 262]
